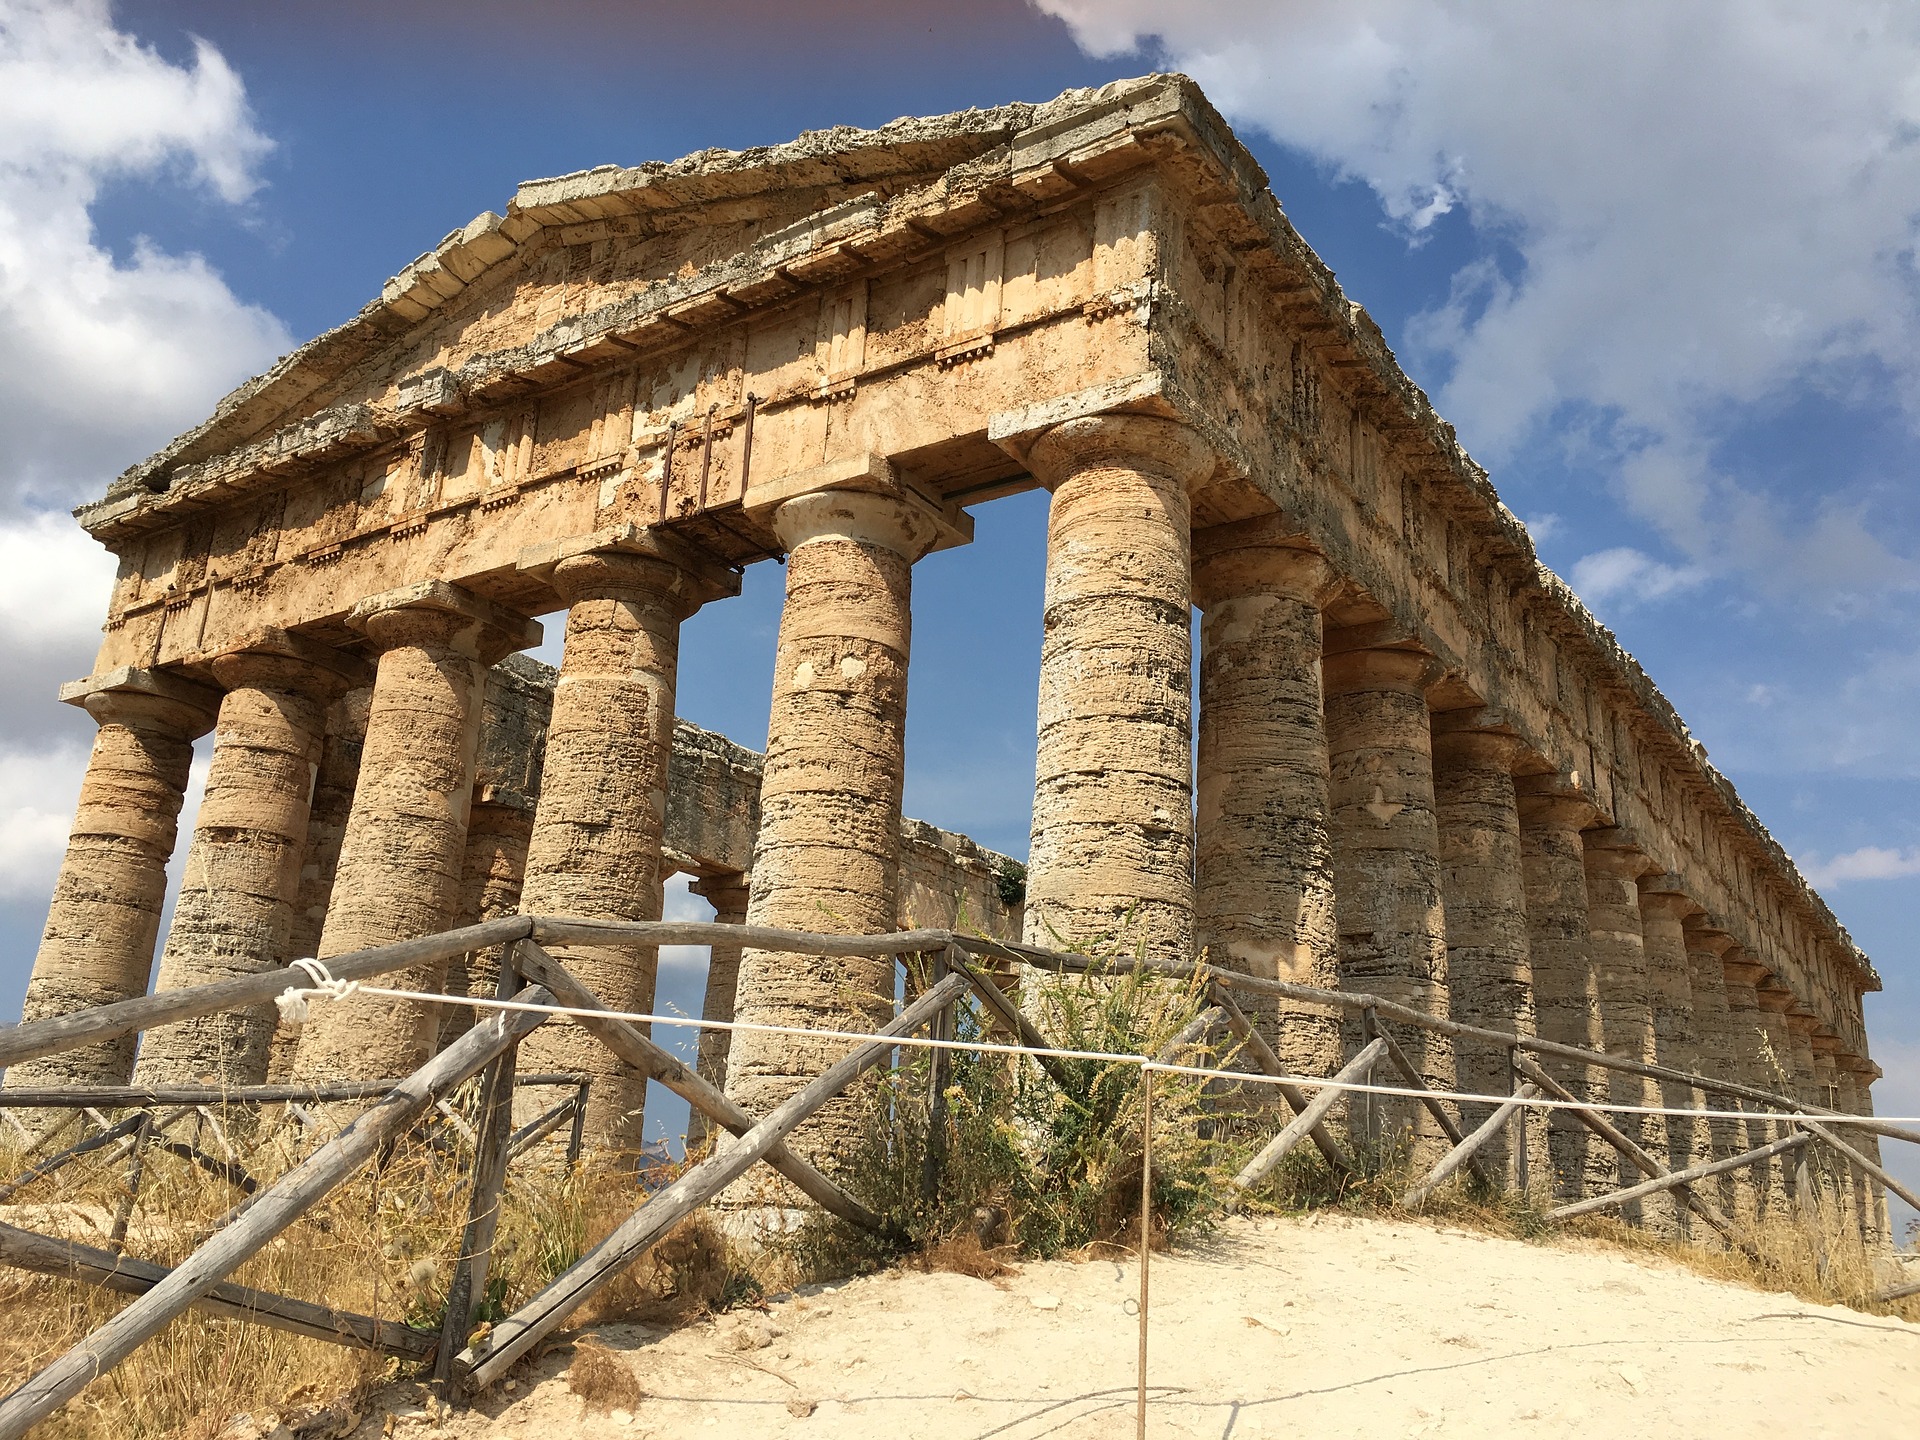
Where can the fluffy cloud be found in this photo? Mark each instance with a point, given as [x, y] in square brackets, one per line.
[1626, 576]
[1690, 210]
[1870, 862]
[102, 357]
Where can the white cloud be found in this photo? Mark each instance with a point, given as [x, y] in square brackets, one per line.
[1628, 576]
[680, 903]
[103, 358]
[38, 789]
[1711, 206]
[1870, 862]
[1543, 527]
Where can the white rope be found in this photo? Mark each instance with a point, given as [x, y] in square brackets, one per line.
[332, 989]
[292, 1001]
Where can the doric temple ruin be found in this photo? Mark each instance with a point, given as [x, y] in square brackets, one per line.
[1422, 768]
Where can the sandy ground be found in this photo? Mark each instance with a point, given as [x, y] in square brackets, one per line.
[1324, 1327]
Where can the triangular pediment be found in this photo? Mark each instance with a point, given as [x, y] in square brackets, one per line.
[576, 255]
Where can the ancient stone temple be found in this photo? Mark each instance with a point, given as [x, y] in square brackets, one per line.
[1422, 768]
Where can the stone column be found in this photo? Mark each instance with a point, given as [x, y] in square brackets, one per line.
[1614, 865]
[1112, 849]
[1714, 1035]
[1863, 1072]
[1747, 1029]
[728, 894]
[234, 915]
[828, 854]
[404, 850]
[1664, 908]
[1800, 1028]
[339, 772]
[1386, 855]
[1553, 873]
[1778, 1075]
[499, 825]
[595, 849]
[1489, 967]
[1264, 889]
[105, 915]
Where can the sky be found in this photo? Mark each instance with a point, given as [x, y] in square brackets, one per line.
[1657, 263]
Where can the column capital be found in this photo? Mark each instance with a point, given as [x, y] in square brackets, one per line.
[1801, 1022]
[1262, 556]
[1704, 935]
[143, 699]
[1135, 442]
[432, 612]
[904, 524]
[1401, 671]
[271, 658]
[1616, 850]
[1476, 749]
[1662, 894]
[1742, 968]
[1558, 802]
[611, 563]
[727, 893]
[1774, 997]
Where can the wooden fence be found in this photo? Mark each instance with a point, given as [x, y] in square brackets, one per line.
[960, 965]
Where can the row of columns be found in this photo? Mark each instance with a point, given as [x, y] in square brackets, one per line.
[1346, 834]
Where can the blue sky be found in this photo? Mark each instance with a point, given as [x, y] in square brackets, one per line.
[1656, 262]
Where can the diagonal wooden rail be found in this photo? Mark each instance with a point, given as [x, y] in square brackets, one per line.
[200, 1280]
[521, 1331]
[271, 1212]
[48, 1255]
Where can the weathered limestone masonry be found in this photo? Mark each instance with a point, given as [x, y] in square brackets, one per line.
[1423, 768]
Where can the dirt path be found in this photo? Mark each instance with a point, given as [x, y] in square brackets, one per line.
[1325, 1328]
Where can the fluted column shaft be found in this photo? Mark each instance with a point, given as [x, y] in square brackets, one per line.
[595, 848]
[1779, 1075]
[1489, 964]
[1386, 853]
[1747, 1025]
[1112, 848]
[1554, 875]
[327, 813]
[828, 853]
[234, 915]
[1714, 1036]
[1663, 918]
[98, 943]
[498, 829]
[1626, 1011]
[1264, 887]
[729, 896]
[1806, 1080]
[404, 851]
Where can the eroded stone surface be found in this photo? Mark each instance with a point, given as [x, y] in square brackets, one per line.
[828, 854]
[1489, 963]
[1386, 858]
[1264, 887]
[105, 916]
[241, 881]
[1112, 852]
[403, 856]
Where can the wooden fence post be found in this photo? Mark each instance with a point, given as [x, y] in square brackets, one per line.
[270, 1212]
[493, 1131]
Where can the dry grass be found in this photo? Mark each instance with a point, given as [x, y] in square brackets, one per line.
[1027, 1171]
[602, 1379]
[383, 1244]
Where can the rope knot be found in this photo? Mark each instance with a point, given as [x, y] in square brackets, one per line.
[292, 1001]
